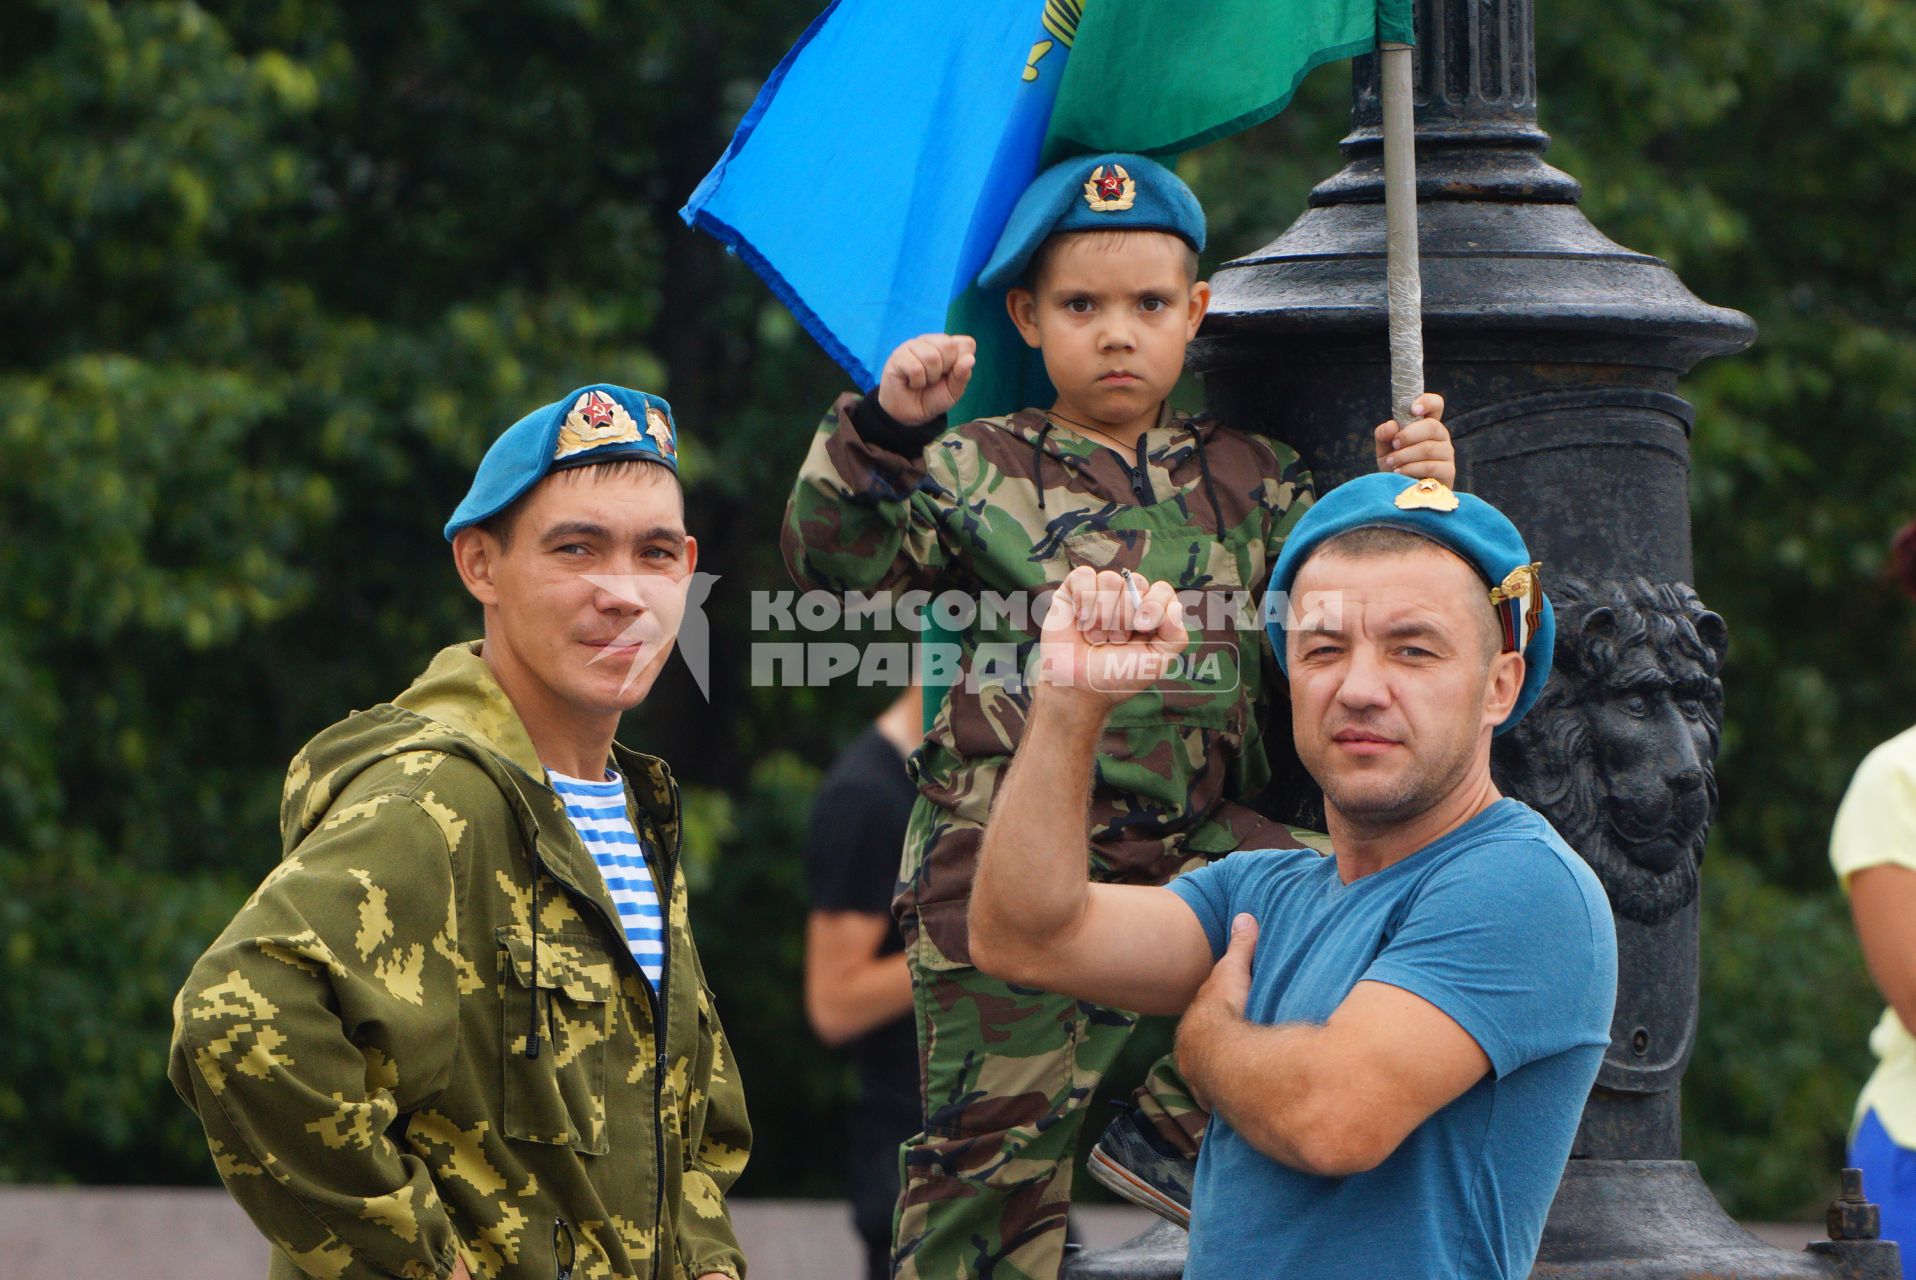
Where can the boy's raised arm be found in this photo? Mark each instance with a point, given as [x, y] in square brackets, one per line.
[861, 516]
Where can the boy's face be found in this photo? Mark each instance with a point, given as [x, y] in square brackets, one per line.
[1113, 312]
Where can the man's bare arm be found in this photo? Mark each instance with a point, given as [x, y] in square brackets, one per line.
[1037, 920]
[1035, 917]
[1331, 1100]
[849, 988]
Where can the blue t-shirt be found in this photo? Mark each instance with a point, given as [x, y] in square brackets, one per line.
[1505, 929]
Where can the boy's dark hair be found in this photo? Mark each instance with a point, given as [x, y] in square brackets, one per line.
[1041, 257]
[500, 525]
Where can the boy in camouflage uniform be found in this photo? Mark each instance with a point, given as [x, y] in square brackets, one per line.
[427, 1046]
[1099, 260]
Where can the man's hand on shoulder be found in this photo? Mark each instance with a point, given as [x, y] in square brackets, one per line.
[925, 377]
[1422, 450]
[1104, 638]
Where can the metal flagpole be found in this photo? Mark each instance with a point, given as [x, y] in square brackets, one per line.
[1405, 283]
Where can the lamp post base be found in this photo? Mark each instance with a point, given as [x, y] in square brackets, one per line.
[1156, 1254]
[1656, 1220]
[1611, 1220]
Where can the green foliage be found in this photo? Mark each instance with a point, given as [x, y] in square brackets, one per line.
[1781, 1043]
[94, 952]
[273, 274]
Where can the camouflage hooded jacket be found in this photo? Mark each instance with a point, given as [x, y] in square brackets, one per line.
[1009, 506]
[424, 1036]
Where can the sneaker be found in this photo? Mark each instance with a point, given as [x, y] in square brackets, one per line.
[1134, 1162]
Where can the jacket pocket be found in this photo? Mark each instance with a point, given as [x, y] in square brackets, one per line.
[697, 1096]
[554, 1090]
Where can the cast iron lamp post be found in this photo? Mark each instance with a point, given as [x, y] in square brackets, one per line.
[1558, 353]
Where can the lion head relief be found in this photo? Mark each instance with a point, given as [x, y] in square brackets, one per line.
[1620, 751]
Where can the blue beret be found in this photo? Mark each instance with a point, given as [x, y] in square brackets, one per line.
[593, 424]
[1111, 192]
[1460, 522]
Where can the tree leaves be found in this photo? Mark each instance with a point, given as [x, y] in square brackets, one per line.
[273, 275]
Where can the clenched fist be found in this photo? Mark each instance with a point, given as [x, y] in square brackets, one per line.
[1104, 639]
[925, 377]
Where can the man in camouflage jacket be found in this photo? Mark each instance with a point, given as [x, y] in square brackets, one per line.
[423, 1047]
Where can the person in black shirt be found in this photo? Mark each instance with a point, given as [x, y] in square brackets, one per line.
[857, 991]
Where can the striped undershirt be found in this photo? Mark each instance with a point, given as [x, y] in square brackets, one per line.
[597, 811]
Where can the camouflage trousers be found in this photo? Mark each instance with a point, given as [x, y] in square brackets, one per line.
[1006, 1074]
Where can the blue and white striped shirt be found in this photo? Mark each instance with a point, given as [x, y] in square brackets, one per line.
[597, 811]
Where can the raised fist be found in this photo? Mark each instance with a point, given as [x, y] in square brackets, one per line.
[1105, 639]
[925, 377]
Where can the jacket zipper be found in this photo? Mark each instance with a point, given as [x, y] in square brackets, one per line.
[661, 1007]
[1141, 484]
[1139, 476]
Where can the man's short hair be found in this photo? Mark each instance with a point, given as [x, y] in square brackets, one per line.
[1377, 540]
[500, 525]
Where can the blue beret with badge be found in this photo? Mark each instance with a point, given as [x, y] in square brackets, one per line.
[1462, 523]
[600, 423]
[1111, 192]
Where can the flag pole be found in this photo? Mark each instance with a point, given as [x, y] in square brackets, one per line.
[1404, 278]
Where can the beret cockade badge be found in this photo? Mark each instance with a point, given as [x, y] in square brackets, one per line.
[595, 419]
[1427, 495]
[1110, 190]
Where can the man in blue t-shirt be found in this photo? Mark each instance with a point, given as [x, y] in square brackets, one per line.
[1396, 1041]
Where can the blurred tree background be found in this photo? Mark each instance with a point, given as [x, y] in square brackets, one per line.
[273, 274]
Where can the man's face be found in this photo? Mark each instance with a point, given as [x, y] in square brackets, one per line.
[586, 597]
[1113, 313]
[1394, 686]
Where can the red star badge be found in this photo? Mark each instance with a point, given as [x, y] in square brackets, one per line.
[1110, 186]
[596, 408]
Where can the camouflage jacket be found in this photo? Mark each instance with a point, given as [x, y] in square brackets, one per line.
[359, 1041]
[1010, 506]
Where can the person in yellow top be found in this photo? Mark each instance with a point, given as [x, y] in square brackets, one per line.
[1873, 848]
